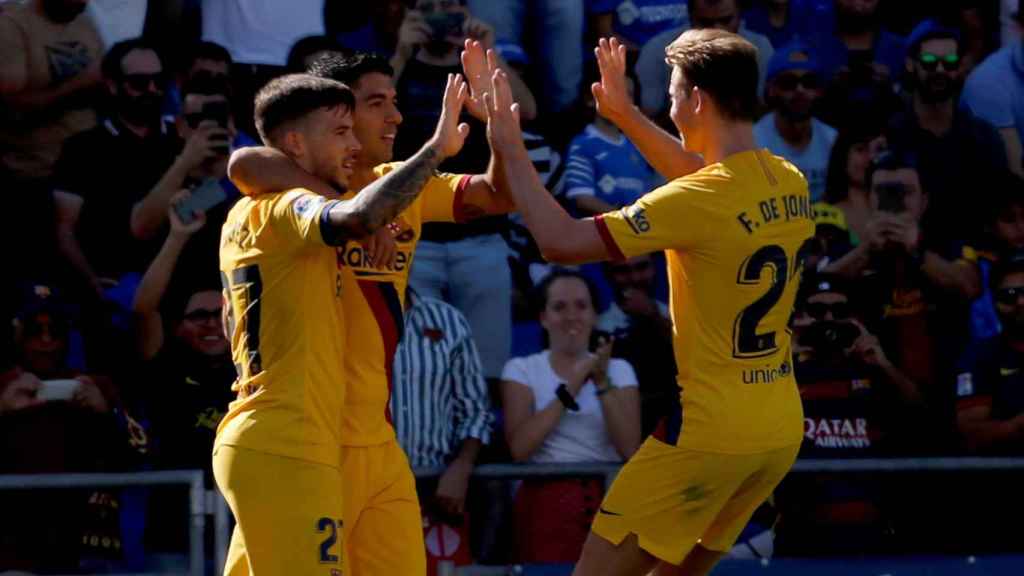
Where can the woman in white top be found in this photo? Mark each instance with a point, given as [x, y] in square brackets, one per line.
[595, 418]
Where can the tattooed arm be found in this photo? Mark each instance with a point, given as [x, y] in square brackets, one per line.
[382, 201]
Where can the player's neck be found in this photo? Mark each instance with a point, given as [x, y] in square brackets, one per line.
[362, 177]
[727, 139]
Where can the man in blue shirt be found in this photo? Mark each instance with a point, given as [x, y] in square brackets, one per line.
[636, 21]
[995, 93]
[794, 87]
[603, 169]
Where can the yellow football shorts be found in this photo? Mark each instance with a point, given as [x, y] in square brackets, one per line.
[383, 523]
[673, 498]
[288, 514]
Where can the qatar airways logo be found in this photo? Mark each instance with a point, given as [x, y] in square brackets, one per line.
[837, 432]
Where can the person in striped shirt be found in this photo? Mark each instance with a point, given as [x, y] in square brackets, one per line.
[440, 404]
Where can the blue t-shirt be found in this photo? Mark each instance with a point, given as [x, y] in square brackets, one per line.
[994, 92]
[812, 160]
[611, 169]
[800, 22]
[639, 20]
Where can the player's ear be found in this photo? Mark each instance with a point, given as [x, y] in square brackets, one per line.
[697, 97]
[294, 143]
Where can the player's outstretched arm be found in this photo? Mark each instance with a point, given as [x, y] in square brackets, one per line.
[262, 170]
[662, 150]
[561, 238]
[382, 201]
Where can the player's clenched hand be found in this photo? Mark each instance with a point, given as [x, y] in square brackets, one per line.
[503, 130]
[381, 248]
[611, 94]
[450, 135]
[478, 65]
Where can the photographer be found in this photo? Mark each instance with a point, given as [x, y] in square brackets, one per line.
[923, 287]
[856, 404]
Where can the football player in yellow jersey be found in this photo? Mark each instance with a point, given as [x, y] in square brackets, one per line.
[383, 530]
[732, 223]
[275, 456]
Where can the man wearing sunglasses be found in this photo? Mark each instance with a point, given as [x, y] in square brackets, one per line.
[112, 166]
[791, 131]
[990, 382]
[955, 150]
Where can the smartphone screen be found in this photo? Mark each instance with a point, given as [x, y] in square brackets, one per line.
[205, 196]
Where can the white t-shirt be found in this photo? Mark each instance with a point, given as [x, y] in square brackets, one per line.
[812, 160]
[580, 436]
[261, 31]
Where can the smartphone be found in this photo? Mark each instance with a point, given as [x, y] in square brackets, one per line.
[892, 197]
[205, 196]
[445, 24]
[58, 389]
[219, 112]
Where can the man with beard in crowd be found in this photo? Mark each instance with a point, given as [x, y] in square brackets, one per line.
[954, 149]
[794, 87]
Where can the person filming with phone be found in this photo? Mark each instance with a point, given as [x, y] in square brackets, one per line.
[922, 287]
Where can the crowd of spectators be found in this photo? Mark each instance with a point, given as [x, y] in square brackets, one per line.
[116, 126]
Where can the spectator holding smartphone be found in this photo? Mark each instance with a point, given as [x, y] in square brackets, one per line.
[184, 385]
[922, 286]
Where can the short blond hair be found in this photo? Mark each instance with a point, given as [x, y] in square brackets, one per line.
[722, 64]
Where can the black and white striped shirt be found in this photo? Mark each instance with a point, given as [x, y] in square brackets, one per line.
[439, 396]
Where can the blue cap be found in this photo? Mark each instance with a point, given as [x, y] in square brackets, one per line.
[927, 30]
[793, 56]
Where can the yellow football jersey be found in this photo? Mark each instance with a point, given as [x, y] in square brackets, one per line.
[374, 314]
[733, 234]
[283, 294]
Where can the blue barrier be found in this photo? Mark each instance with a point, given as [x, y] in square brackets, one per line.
[910, 566]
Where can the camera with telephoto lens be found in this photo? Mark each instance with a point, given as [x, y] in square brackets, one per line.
[829, 336]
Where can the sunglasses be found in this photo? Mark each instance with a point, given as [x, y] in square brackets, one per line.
[931, 61]
[1010, 295]
[789, 82]
[203, 314]
[143, 82]
[818, 310]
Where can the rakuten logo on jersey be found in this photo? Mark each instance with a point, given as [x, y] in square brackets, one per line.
[357, 257]
[837, 432]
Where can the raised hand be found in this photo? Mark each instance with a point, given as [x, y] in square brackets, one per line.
[177, 226]
[450, 135]
[478, 65]
[503, 130]
[602, 356]
[611, 93]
